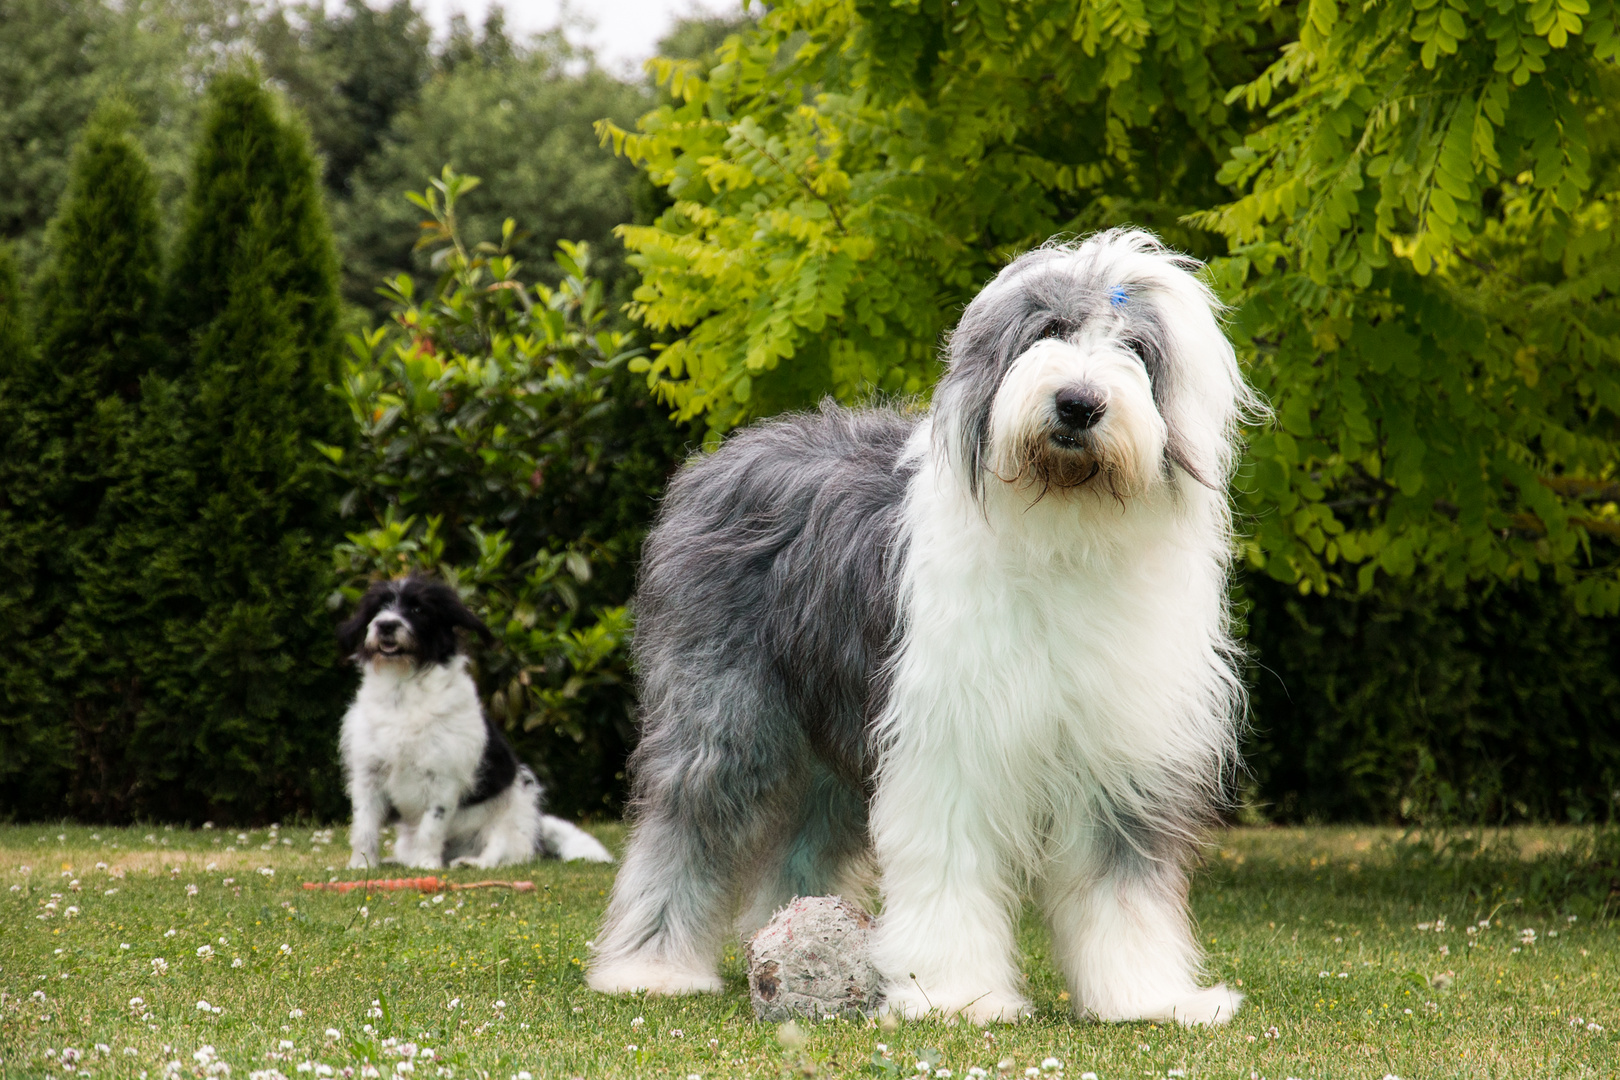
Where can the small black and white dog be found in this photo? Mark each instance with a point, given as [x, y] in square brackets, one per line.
[986, 647]
[418, 749]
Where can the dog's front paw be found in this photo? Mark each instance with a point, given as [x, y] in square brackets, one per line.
[361, 860]
[910, 1001]
[631, 977]
[1210, 1007]
[422, 862]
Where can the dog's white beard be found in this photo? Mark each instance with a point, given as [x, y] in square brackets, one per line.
[1123, 453]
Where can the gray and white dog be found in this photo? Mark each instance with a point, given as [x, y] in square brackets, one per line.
[978, 649]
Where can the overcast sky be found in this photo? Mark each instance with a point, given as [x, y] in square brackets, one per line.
[623, 32]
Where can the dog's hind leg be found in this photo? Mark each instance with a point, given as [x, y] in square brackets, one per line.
[710, 795]
[819, 859]
[1115, 896]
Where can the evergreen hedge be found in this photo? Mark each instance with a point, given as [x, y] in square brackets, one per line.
[176, 658]
[1425, 703]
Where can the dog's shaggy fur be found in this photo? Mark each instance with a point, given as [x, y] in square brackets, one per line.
[988, 647]
[418, 749]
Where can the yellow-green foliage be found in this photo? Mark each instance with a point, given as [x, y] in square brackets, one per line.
[1408, 204]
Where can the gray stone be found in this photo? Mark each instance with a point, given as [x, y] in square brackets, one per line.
[814, 959]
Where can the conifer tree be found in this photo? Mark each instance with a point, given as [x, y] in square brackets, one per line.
[244, 718]
[23, 691]
[70, 401]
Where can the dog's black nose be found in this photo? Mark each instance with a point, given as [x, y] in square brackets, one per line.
[388, 627]
[1079, 408]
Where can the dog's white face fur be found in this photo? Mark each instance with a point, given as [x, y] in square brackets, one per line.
[1095, 368]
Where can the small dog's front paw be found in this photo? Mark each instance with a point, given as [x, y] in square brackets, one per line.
[424, 863]
[361, 860]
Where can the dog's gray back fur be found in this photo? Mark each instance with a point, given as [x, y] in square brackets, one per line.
[771, 567]
[765, 612]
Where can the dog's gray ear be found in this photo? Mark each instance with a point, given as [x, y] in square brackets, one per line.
[353, 632]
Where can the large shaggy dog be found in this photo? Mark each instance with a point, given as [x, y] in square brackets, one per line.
[988, 646]
[418, 750]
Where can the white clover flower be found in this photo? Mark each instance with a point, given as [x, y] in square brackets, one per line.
[369, 1071]
[170, 932]
[102, 1048]
[500, 1004]
[236, 962]
[295, 1014]
[455, 1003]
[160, 966]
[192, 890]
[638, 1022]
[306, 1066]
[1032, 1072]
[403, 1067]
[333, 1033]
[285, 1044]
[39, 996]
[942, 1074]
[977, 1073]
[1051, 1064]
[631, 1048]
[324, 1070]
[203, 1006]
[267, 871]
[205, 951]
[677, 1033]
[1088, 1076]
[286, 949]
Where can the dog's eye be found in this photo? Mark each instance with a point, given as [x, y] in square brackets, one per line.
[1056, 330]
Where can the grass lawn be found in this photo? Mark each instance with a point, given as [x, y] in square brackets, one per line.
[113, 938]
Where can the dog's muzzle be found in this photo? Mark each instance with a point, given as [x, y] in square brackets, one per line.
[389, 635]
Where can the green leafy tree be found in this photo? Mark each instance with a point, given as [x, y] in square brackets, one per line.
[1420, 254]
[523, 123]
[96, 327]
[504, 446]
[61, 57]
[846, 176]
[1425, 262]
[350, 71]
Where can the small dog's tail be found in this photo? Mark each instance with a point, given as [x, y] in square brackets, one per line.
[558, 839]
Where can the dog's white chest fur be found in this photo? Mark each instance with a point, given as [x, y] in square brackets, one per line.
[415, 729]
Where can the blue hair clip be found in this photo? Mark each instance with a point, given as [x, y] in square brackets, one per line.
[1117, 296]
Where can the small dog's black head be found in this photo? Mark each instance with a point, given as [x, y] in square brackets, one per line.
[413, 618]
